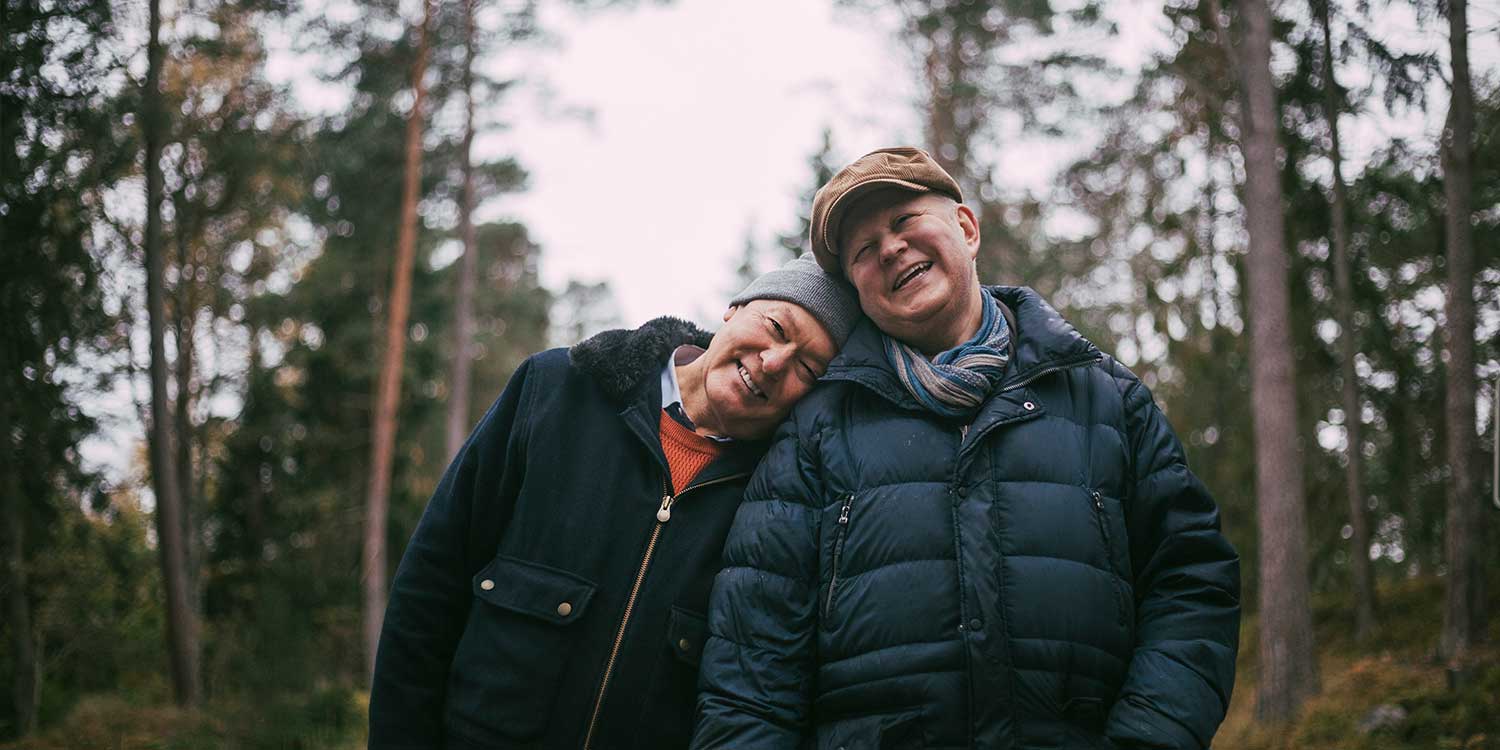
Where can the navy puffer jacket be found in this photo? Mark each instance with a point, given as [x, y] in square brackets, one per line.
[1049, 575]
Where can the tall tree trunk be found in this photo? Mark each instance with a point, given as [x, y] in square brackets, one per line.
[1359, 518]
[1288, 662]
[255, 497]
[24, 693]
[182, 627]
[388, 393]
[183, 324]
[463, 303]
[1463, 615]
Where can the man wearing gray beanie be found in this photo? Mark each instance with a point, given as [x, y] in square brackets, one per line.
[555, 590]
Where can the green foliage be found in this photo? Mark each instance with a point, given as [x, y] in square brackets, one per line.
[287, 514]
[95, 617]
[1395, 668]
[327, 718]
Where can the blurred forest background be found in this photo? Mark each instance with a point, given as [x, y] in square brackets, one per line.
[306, 316]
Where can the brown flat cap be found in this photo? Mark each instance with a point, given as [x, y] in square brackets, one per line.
[902, 167]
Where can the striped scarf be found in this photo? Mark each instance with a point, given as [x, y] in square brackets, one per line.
[954, 383]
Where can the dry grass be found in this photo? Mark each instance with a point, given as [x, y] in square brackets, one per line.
[323, 720]
[1397, 666]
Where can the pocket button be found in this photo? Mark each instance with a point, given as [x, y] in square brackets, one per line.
[565, 609]
[487, 584]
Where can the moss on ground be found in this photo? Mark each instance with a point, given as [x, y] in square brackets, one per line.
[1397, 666]
[324, 719]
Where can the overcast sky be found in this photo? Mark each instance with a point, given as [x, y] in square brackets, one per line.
[705, 114]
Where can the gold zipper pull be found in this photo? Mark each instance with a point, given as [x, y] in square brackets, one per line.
[664, 513]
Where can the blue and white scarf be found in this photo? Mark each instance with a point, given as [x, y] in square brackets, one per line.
[954, 383]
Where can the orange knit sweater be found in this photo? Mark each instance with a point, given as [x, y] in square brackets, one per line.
[687, 451]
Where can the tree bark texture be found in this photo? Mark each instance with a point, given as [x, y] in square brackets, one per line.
[388, 388]
[1288, 661]
[1359, 515]
[468, 264]
[183, 325]
[1464, 611]
[182, 626]
[24, 683]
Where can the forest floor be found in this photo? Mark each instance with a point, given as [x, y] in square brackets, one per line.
[1395, 669]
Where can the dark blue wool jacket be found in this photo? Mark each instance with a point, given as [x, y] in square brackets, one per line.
[1048, 575]
[540, 603]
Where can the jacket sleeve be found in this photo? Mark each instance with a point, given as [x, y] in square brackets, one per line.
[755, 683]
[430, 595]
[1187, 585]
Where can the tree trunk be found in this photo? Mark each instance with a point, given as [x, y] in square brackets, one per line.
[388, 393]
[463, 303]
[1288, 662]
[24, 692]
[1463, 615]
[255, 497]
[1359, 518]
[183, 322]
[182, 627]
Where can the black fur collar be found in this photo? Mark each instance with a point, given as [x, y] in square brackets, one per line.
[621, 358]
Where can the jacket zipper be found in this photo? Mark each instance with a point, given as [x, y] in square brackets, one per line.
[1049, 370]
[964, 430]
[1109, 552]
[663, 515]
[838, 550]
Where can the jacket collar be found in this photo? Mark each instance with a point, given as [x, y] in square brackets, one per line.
[622, 361]
[627, 366]
[1041, 342]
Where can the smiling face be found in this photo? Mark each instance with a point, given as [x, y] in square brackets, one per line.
[767, 355]
[911, 258]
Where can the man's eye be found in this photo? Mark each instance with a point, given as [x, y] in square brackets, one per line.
[780, 332]
[902, 219]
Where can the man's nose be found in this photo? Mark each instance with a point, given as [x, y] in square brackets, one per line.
[891, 247]
[775, 359]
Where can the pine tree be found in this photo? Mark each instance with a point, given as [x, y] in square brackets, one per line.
[1359, 524]
[58, 131]
[1288, 664]
[468, 263]
[387, 397]
[1464, 617]
[182, 623]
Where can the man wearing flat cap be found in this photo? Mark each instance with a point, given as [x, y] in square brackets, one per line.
[554, 592]
[979, 531]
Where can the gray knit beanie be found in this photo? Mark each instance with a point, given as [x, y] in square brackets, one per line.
[830, 299]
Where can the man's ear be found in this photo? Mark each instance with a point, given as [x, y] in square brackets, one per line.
[730, 312]
[970, 226]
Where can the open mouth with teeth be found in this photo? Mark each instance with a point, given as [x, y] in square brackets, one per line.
[750, 384]
[911, 275]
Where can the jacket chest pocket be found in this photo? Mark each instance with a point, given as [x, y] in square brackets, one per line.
[513, 652]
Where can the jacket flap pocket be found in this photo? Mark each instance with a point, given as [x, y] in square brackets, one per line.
[529, 588]
[686, 633]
